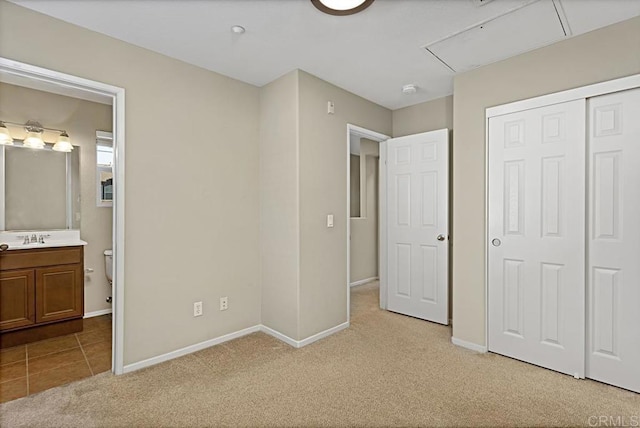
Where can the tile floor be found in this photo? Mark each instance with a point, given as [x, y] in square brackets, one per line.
[31, 368]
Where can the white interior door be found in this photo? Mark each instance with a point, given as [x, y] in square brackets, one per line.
[536, 248]
[417, 209]
[613, 342]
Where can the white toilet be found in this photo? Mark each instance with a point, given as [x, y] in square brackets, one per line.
[108, 269]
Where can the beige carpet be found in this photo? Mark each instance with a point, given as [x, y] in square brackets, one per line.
[386, 370]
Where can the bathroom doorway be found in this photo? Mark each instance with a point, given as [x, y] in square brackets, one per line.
[364, 198]
[41, 79]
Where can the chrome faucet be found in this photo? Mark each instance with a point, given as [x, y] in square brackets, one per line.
[26, 239]
[41, 238]
[34, 238]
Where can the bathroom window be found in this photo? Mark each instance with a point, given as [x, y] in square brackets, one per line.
[104, 155]
[104, 169]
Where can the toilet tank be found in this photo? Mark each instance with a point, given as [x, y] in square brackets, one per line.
[108, 264]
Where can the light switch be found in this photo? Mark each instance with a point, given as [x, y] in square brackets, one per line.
[330, 220]
[330, 107]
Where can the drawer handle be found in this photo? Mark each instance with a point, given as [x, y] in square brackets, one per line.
[3, 247]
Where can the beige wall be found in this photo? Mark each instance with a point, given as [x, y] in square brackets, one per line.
[427, 116]
[191, 181]
[80, 119]
[303, 169]
[354, 185]
[364, 230]
[279, 204]
[192, 202]
[323, 187]
[605, 54]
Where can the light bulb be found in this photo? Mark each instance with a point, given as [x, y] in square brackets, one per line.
[34, 140]
[63, 144]
[5, 137]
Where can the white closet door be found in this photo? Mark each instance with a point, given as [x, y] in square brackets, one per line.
[536, 249]
[613, 342]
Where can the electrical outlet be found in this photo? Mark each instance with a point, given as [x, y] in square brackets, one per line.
[224, 303]
[197, 309]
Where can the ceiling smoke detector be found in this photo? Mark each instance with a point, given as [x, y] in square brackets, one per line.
[341, 7]
[409, 89]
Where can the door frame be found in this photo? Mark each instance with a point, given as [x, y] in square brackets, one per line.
[583, 92]
[382, 216]
[46, 76]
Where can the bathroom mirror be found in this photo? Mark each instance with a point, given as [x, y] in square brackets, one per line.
[40, 189]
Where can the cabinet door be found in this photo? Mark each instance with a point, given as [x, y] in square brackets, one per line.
[17, 295]
[59, 293]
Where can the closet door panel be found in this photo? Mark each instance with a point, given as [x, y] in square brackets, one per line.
[536, 245]
[613, 298]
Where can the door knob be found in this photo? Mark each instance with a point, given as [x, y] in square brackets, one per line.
[496, 242]
[4, 247]
[440, 237]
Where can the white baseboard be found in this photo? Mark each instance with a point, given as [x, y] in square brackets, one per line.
[469, 345]
[323, 334]
[303, 342]
[283, 337]
[225, 338]
[189, 349]
[363, 281]
[97, 313]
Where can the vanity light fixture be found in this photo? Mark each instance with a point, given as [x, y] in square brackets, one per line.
[341, 7]
[5, 137]
[63, 144]
[34, 139]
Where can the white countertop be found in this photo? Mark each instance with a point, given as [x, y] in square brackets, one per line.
[50, 244]
[52, 238]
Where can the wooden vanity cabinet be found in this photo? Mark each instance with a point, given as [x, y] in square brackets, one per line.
[41, 294]
[17, 297]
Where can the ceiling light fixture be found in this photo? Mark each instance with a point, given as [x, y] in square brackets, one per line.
[238, 29]
[341, 7]
[33, 139]
[409, 89]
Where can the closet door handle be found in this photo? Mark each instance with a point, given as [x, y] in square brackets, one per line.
[496, 242]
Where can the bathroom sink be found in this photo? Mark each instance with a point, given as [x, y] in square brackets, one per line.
[53, 238]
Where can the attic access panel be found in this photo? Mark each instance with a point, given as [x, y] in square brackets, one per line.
[516, 32]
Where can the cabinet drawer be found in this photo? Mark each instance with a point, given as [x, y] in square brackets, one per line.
[20, 259]
[17, 295]
[59, 293]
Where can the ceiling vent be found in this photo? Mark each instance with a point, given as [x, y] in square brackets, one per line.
[526, 28]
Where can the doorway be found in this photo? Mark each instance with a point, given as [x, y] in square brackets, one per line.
[363, 218]
[364, 199]
[52, 81]
[413, 218]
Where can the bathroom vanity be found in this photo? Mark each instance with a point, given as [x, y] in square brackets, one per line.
[41, 290]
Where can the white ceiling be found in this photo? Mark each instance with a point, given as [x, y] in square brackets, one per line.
[372, 54]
